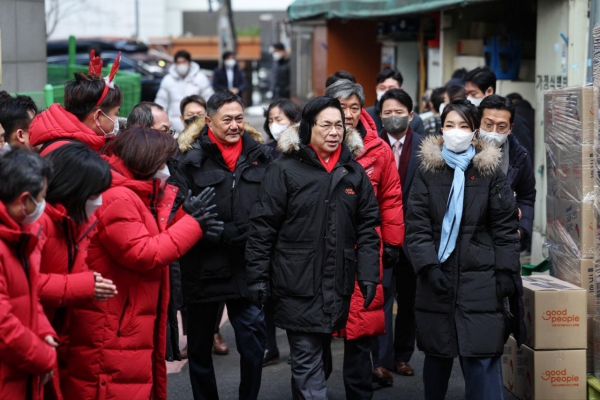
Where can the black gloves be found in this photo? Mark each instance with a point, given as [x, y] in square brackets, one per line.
[211, 228]
[391, 255]
[505, 285]
[235, 235]
[367, 288]
[438, 281]
[258, 293]
[199, 205]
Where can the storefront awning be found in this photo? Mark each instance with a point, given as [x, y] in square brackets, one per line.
[310, 9]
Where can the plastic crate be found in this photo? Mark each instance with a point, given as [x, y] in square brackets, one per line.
[503, 56]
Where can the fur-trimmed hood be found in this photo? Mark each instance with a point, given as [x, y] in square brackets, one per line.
[289, 140]
[192, 132]
[487, 159]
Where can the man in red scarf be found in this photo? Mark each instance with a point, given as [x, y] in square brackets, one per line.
[221, 152]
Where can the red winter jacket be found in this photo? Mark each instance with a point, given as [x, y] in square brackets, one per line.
[57, 123]
[378, 161]
[65, 279]
[117, 347]
[24, 356]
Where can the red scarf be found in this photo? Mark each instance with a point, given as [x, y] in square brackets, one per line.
[230, 153]
[333, 160]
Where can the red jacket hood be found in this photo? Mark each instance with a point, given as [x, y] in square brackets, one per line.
[13, 233]
[58, 123]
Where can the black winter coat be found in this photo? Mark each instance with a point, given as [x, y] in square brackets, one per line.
[523, 134]
[216, 271]
[312, 234]
[469, 320]
[283, 79]
[521, 179]
[220, 81]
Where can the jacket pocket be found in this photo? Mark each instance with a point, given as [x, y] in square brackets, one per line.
[480, 257]
[349, 271]
[254, 174]
[293, 270]
[121, 325]
[204, 179]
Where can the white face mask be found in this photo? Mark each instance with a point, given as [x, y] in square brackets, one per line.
[276, 56]
[36, 214]
[229, 63]
[474, 101]
[92, 205]
[379, 95]
[497, 139]
[163, 174]
[115, 130]
[457, 140]
[442, 106]
[277, 129]
[182, 69]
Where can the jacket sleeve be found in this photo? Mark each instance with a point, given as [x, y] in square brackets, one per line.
[417, 125]
[203, 83]
[242, 86]
[44, 326]
[389, 196]
[504, 222]
[20, 347]
[265, 221]
[162, 96]
[368, 242]
[419, 239]
[526, 192]
[126, 238]
[218, 83]
[59, 290]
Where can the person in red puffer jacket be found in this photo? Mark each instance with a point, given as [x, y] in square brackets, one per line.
[90, 114]
[378, 161]
[74, 192]
[117, 348]
[27, 341]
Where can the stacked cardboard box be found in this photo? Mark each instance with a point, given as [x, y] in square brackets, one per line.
[552, 363]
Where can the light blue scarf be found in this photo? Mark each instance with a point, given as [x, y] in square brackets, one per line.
[454, 207]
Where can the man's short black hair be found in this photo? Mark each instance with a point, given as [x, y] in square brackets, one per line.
[437, 98]
[278, 46]
[22, 171]
[182, 54]
[227, 54]
[514, 97]
[195, 98]
[142, 114]
[496, 102]
[14, 114]
[220, 98]
[397, 94]
[4, 95]
[338, 76]
[387, 73]
[456, 91]
[483, 78]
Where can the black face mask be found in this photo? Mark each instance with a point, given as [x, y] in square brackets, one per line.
[190, 120]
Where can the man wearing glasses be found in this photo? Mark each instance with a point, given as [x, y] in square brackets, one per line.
[150, 115]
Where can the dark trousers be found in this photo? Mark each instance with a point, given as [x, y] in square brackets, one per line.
[249, 326]
[309, 353]
[358, 378]
[271, 329]
[406, 287]
[483, 377]
[382, 346]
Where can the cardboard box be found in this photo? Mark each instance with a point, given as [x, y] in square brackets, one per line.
[509, 363]
[576, 226]
[576, 271]
[589, 355]
[573, 114]
[469, 47]
[555, 313]
[551, 374]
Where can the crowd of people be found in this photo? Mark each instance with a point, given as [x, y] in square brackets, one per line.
[109, 226]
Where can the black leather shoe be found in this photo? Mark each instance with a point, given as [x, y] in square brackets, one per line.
[271, 357]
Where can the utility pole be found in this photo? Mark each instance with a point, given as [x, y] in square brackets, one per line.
[226, 30]
[137, 19]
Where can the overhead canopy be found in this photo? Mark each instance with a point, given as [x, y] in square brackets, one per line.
[310, 9]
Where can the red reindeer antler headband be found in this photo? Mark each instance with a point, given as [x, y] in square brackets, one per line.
[96, 70]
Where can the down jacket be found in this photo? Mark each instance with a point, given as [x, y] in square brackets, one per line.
[214, 270]
[469, 319]
[24, 356]
[312, 235]
[378, 162]
[117, 347]
[56, 123]
[65, 279]
[174, 88]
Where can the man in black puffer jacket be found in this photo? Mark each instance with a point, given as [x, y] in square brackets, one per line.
[223, 154]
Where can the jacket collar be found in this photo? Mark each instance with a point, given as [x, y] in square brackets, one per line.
[486, 161]
[187, 138]
[14, 234]
[122, 177]
[289, 141]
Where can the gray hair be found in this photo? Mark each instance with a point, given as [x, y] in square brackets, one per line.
[22, 171]
[344, 89]
[142, 114]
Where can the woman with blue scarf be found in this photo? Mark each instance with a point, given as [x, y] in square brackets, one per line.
[461, 236]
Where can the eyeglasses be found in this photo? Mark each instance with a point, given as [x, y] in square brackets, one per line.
[339, 128]
[169, 131]
[499, 128]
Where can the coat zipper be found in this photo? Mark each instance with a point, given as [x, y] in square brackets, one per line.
[122, 316]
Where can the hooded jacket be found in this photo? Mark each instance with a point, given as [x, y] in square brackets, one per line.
[174, 88]
[24, 356]
[377, 159]
[468, 320]
[215, 270]
[117, 347]
[313, 234]
[57, 123]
